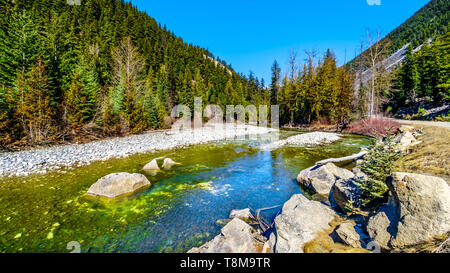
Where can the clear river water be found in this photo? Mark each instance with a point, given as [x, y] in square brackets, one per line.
[182, 209]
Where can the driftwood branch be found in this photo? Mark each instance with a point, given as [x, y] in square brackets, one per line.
[343, 159]
[264, 225]
[439, 249]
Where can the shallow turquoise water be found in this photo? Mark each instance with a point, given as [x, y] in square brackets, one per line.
[43, 213]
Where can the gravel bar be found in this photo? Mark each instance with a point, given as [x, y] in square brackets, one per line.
[43, 160]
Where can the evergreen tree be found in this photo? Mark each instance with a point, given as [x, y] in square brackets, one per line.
[275, 85]
[409, 76]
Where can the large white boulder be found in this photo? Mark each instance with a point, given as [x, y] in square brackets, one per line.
[117, 184]
[417, 212]
[321, 178]
[300, 222]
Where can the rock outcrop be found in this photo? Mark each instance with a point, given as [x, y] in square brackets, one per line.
[117, 184]
[236, 237]
[300, 222]
[418, 211]
[321, 178]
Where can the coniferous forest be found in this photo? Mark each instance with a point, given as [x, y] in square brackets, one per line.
[101, 68]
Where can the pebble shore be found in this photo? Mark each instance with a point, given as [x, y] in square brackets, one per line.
[308, 139]
[46, 159]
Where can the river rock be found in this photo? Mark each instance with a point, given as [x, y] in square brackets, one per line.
[270, 244]
[151, 166]
[243, 214]
[347, 234]
[406, 128]
[359, 174]
[321, 178]
[236, 237]
[300, 222]
[405, 141]
[117, 184]
[345, 192]
[169, 163]
[418, 211]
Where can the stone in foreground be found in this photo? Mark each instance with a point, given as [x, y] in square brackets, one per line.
[321, 178]
[417, 212]
[346, 192]
[347, 234]
[300, 222]
[118, 184]
[236, 237]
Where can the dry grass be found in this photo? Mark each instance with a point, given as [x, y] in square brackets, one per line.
[323, 243]
[431, 157]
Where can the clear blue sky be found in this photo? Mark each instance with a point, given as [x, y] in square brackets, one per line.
[251, 34]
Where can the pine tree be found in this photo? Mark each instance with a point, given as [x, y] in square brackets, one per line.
[275, 85]
[409, 76]
[149, 101]
[378, 166]
[199, 87]
[36, 110]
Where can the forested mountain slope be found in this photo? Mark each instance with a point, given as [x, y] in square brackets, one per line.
[102, 67]
[427, 23]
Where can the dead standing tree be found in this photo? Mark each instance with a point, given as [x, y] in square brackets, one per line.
[377, 51]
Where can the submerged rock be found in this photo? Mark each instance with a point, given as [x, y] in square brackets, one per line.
[169, 163]
[151, 166]
[417, 212]
[117, 184]
[321, 178]
[300, 222]
[236, 237]
[243, 214]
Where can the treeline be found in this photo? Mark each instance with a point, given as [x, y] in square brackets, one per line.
[320, 91]
[424, 76]
[101, 68]
[427, 23]
[425, 73]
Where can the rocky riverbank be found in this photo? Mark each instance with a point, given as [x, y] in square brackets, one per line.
[308, 139]
[65, 156]
[416, 215]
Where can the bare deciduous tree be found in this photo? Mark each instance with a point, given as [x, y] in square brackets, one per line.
[377, 51]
